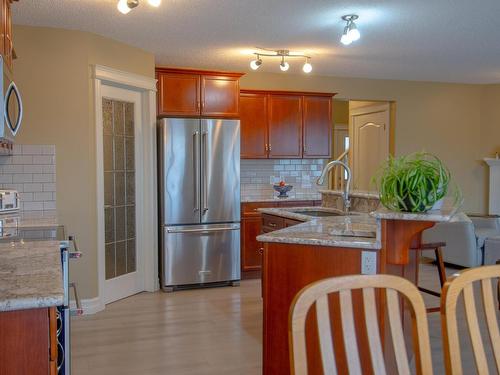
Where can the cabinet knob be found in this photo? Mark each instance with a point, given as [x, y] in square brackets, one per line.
[273, 225]
[269, 147]
[261, 250]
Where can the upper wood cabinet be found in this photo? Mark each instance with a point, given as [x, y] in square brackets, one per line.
[193, 93]
[285, 124]
[253, 124]
[6, 43]
[317, 131]
[220, 96]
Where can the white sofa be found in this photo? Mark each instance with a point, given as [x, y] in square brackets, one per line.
[462, 247]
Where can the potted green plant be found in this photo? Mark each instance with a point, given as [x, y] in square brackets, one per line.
[413, 183]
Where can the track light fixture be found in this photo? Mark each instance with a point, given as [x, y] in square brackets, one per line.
[125, 6]
[351, 32]
[283, 54]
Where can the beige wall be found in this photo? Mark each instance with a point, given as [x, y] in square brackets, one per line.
[341, 112]
[53, 74]
[437, 117]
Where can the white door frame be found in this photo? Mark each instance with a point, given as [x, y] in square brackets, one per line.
[147, 225]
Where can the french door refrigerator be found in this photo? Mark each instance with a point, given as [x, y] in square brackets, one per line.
[199, 180]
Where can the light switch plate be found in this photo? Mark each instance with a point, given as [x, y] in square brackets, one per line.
[368, 262]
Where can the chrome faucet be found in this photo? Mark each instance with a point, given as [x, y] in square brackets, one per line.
[347, 186]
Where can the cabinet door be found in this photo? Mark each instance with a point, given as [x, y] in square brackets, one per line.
[253, 124]
[178, 94]
[8, 44]
[220, 96]
[317, 127]
[3, 28]
[285, 126]
[251, 249]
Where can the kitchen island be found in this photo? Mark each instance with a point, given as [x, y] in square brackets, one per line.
[323, 247]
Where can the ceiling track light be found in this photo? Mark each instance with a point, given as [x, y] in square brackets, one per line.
[351, 32]
[282, 54]
[125, 6]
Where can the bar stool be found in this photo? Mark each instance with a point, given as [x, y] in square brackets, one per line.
[437, 247]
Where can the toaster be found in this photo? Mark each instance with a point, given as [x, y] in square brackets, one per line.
[9, 201]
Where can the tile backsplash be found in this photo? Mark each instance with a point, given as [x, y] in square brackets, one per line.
[31, 170]
[257, 177]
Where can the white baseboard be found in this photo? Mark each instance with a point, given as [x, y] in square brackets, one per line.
[90, 305]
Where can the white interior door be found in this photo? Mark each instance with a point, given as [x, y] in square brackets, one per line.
[121, 189]
[370, 142]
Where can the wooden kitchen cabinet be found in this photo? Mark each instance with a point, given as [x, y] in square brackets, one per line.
[220, 96]
[317, 131]
[28, 342]
[251, 249]
[253, 125]
[6, 40]
[285, 124]
[178, 94]
[194, 93]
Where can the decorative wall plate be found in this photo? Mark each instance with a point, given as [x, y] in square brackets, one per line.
[13, 120]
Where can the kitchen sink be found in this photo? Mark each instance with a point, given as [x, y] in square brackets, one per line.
[317, 213]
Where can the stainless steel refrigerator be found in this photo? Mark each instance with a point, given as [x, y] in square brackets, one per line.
[199, 178]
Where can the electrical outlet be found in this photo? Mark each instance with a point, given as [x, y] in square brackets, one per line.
[368, 262]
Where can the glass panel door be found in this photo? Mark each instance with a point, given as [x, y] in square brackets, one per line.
[119, 187]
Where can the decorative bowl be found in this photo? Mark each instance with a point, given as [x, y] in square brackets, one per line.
[282, 190]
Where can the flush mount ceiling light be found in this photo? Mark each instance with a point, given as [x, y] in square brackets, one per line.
[283, 54]
[125, 6]
[351, 32]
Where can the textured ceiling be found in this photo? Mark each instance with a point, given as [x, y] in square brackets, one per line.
[440, 40]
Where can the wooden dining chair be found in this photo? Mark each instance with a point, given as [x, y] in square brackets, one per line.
[317, 293]
[462, 284]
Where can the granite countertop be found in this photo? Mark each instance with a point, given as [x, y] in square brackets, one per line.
[446, 213]
[354, 193]
[30, 221]
[274, 198]
[289, 212]
[30, 275]
[358, 230]
[332, 231]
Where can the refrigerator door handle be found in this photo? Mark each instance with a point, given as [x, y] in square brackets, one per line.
[205, 166]
[201, 230]
[196, 162]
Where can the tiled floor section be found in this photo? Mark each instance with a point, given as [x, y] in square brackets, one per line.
[203, 332]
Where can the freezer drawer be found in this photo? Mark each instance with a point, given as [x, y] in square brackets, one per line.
[199, 254]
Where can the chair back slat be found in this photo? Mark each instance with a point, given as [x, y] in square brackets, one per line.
[491, 319]
[317, 294]
[325, 335]
[373, 332]
[396, 327]
[349, 332]
[454, 287]
[474, 332]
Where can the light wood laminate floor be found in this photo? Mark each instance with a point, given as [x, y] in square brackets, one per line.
[205, 332]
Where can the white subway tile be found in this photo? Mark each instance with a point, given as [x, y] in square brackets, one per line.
[22, 159]
[32, 206]
[32, 149]
[49, 187]
[18, 187]
[32, 188]
[49, 150]
[49, 205]
[45, 177]
[26, 197]
[5, 178]
[41, 197]
[22, 177]
[30, 168]
[10, 168]
[43, 159]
